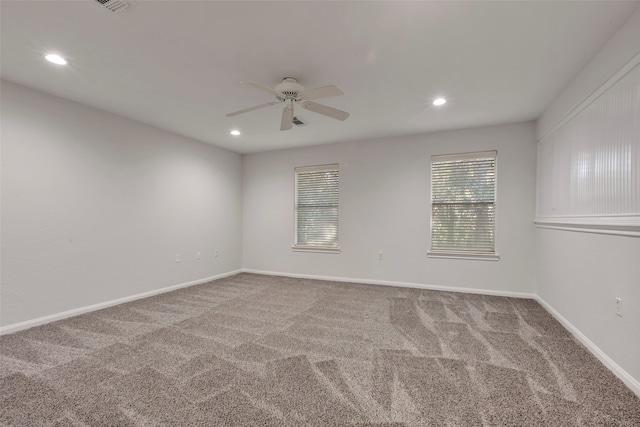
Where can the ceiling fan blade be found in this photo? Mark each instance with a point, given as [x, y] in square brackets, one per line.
[262, 87]
[287, 117]
[255, 107]
[334, 113]
[322, 92]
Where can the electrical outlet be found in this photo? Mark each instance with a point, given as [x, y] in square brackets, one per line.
[197, 255]
[619, 306]
[177, 257]
[215, 253]
[380, 256]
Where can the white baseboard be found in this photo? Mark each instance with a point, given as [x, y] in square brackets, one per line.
[629, 381]
[398, 284]
[76, 311]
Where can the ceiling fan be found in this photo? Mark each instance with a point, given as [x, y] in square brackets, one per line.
[289, 92]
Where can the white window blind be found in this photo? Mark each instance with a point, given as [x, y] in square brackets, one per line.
[463, 204]
[316, 208]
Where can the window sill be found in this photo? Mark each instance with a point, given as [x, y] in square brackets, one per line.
[467, 256]
[317, 249]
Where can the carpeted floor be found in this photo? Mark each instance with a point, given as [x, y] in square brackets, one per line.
[254, 350]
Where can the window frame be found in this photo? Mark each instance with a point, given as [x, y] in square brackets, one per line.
[335, 249]
[468, 255]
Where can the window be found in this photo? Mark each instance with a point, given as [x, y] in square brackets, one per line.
[316, 208]
[463, 205]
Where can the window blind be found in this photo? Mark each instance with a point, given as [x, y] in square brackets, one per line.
[316, 207]
[463, 198]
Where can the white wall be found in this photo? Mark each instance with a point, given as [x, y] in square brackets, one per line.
[95, 207]
[384, 206]
[580, 274]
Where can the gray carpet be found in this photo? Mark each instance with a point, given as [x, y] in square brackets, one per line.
[254, 350]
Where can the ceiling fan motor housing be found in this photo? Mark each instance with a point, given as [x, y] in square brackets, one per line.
[289, 88]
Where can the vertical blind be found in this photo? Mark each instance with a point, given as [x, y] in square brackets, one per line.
[316, 206]
[463, 198]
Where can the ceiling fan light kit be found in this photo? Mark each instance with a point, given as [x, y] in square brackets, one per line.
[290, 92]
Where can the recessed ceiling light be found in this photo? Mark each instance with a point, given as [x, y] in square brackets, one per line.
[439, 101]
[235, 132]
[56, 59]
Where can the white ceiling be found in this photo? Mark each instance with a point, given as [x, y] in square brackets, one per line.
[177, 64]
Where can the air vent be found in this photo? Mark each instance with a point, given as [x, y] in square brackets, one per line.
[114, 5]
[297, 121]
